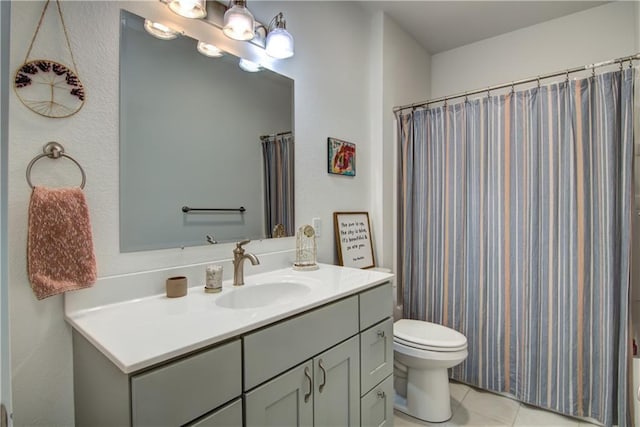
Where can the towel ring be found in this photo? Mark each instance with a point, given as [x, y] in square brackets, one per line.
[54, 150]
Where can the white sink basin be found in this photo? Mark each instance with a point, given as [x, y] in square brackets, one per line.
[270, 293]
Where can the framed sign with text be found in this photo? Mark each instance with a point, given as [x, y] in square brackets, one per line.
[353, 239]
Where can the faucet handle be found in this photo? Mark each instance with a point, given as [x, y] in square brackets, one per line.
[242, 243]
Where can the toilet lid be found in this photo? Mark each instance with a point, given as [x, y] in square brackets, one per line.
[431, 336]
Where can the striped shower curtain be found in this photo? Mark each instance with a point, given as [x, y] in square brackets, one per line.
[278, 166]
[514, 229]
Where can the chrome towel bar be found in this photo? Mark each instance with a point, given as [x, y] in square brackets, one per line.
[187, 209]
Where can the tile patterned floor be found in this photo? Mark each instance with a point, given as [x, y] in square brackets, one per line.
[473, 407]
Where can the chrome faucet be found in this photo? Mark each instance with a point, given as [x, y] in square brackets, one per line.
[238, 262]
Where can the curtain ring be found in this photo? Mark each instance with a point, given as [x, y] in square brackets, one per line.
[488, 92]
[466, 98]
[567, 77]
[445, 103]
[620, 65]
[538, 79]
[593, 72]
[513, 89]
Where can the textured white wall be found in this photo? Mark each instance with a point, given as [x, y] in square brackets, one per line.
[5, 380]
[406, 78]
[586, 37]
[331, 70]
[403, 76]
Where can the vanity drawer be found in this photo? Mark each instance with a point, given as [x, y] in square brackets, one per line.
[375, 305]
[230, 415]
[376, 407]
[376, 354]
[277, 348]
[179, 392]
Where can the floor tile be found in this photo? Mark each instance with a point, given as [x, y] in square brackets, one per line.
[465, 417]
[458, 391]
[530, 416]
[491, 405]
[403, 420]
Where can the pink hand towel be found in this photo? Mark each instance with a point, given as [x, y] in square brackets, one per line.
[60, 254]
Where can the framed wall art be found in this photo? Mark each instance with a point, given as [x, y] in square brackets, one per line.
[342, 157]
[353, 239]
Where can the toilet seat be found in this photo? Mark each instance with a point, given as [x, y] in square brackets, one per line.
[428, 347]
[428, 336]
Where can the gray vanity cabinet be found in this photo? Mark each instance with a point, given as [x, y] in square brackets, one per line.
[227, 416]
[179, 392]
[337, 372]
[286, 400]
[377, 405]
[376, 349]
[329, 366]
[376, 357]
[172, 394]
[321, 392]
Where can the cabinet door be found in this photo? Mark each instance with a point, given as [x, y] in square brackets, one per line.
[286, 400]
[376, 352]
[337, 385]
[377, 405]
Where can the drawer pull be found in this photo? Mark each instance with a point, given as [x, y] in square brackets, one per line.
[380, 333]
[308, 375]
[381, 394]
[324, 376]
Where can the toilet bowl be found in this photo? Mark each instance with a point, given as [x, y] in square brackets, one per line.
[423, 352]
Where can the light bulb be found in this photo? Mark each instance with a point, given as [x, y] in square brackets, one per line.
[239, 23]
[208, 49]
[189, 8]
[249, 66]
[279, 44]
[159, 30]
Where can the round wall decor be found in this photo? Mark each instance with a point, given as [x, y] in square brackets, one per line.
[49, 88]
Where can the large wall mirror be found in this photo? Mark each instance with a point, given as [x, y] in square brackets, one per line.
[190, 135]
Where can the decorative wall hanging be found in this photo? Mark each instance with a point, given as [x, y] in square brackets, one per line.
[306, 249]
[342, 157]
[353, 239]
[47, 87]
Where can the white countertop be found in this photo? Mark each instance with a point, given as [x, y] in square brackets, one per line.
[139, 333]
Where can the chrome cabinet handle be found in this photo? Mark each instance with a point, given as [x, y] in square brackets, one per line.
[324, 376]
[381, 394]
[308, 375]
[380, 333]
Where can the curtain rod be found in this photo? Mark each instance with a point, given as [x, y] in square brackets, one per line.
[592, 67]
[275, 134]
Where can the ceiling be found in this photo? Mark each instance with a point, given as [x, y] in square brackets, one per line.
[443, 25]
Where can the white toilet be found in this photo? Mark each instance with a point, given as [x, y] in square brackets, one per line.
[422, 353]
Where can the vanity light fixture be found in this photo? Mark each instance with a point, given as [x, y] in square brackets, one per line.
[207, 49]
[279, 41]
[249, 66]
[159, 30]
[189, 8]
[238, 22]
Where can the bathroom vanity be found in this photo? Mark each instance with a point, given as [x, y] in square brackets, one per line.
[321, 355]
